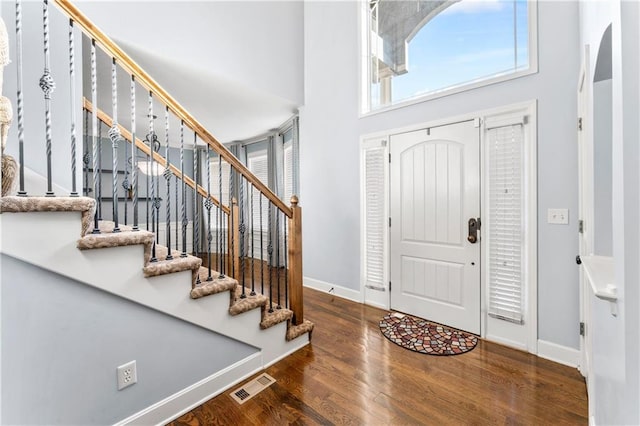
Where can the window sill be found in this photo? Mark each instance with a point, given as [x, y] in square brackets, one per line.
[450, 91]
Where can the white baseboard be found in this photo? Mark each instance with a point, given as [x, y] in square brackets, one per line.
[343, 292]
[187, 399]
[376, 304]
[558, 353]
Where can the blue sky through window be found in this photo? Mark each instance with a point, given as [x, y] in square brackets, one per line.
[469, 40]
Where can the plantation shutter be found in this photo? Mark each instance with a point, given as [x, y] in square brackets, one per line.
[506, 220]
[375, 217]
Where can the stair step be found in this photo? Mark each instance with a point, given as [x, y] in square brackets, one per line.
[217, 285]
[294, 331]
[15, 204]
[177, 264]
[240, 305]
[110, 239]
[269, 319]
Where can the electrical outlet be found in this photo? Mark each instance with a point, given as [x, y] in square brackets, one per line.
[558, 216]
[127, 375]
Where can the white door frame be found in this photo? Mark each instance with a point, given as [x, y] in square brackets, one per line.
[585, 205]
[382, 299]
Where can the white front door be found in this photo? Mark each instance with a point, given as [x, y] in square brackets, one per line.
[435, 191]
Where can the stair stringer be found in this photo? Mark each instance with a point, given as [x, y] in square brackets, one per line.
[49, 239]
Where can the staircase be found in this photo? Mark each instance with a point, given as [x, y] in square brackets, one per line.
[241, 277]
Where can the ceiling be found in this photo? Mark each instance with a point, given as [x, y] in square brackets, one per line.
[227, 109]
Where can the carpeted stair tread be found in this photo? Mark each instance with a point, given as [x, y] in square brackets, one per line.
[269, 319]
[178, 264]
[117, 239]
[294, 331]
[240, 305]
[106, 226]
[85, 205]
[217, 285]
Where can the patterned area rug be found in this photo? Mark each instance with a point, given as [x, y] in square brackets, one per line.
[426, 337]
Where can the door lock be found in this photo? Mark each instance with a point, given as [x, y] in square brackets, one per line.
[474, 226]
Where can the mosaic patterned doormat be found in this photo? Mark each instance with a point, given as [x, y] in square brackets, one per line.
[419, 335]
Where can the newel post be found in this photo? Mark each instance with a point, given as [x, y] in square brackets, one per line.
[234, 237]
[295, 262]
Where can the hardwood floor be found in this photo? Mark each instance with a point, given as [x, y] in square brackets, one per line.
[351, 374]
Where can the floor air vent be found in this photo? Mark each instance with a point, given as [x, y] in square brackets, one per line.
[252, 388]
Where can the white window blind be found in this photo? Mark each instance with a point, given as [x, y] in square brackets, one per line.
[374, 187]
[506, 222]
[215, 186]
[288, 172]
[258, 164]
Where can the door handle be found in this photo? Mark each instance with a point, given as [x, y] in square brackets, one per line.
[474, 226]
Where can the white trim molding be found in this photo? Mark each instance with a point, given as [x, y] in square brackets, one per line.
[558, 353]
[192, 396]
[336, 290]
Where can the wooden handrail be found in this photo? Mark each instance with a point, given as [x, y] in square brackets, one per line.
[129, 65]
[106, 119]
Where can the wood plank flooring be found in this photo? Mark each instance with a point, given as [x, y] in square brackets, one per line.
[351, 374]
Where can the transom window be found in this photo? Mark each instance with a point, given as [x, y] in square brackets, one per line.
[418, 48]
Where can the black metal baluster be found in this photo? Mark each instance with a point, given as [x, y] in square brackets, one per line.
[99, 192]
[242, 233]
[20, 97]
[270, 253]
[220, 212]
[125, 186]
[154, 199]
[167, 176]
[146, 180]
[85, 155]
[261, 248]
[232, 223]
[183, 205]
[196, 223]
[114, 135]
[253, 242]
[279, 306]
[177, 204]
[196, 219]
[95, 146]
[72, 93]
[208, 204]
[134, 156]
[217, 225]
[225, 242]
[286, 272]
[47, 85]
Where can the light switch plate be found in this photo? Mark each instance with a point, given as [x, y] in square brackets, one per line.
[558, 216]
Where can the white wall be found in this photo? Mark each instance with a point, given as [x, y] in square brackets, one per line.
[62, 341]
[330, 132]
[616, 358]
[602, 128]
